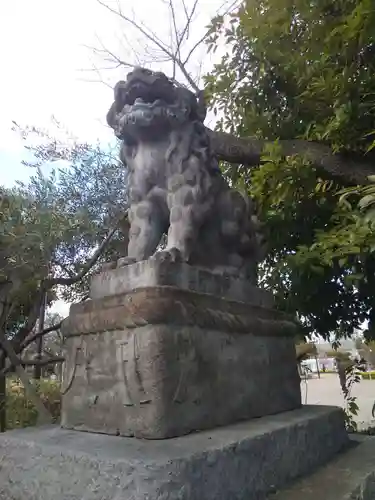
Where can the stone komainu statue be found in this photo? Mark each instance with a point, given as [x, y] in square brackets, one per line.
[176, 186]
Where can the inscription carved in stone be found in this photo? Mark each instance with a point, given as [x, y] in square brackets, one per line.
[127, 355]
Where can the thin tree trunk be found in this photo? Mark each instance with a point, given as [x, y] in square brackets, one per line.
[39, 340]
[44, 417]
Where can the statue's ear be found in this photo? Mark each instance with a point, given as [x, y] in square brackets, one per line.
[119, 95]
[201, 105]
[111, 116]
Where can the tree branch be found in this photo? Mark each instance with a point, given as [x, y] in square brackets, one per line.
[178, 41]
[29, 340]
[248, 151]
[185, 31]
[43, 362]
[152, 37]
[43, 415]
[31, 320]
[202, 39]
[34, 362]
[49, 283]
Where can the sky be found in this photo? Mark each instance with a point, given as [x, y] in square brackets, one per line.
[49, 69]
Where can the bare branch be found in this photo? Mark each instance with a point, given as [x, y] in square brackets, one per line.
[202, 39]
[104, 50]
[194, 48]
[29, 340]
[152, 37]
[140, 27]
[189, 18]
[177, 53]
[185, 9]
[49, 283]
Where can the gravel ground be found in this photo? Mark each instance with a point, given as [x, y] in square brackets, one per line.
[327, 391]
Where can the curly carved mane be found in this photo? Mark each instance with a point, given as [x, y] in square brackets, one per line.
[176, 186]
[187, 141]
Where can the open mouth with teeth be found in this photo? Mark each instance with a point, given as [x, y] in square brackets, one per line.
[154, 105]
[149, 94]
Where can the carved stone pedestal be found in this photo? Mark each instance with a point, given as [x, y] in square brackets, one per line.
[165, 349]
[160, 351]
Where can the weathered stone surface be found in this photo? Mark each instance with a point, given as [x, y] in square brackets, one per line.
[241, 462]
[158, 272]
[197, 362]
[350, 476]
[171, 305]
[175, 185]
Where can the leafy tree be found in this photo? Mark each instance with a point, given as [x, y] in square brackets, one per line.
[53, 235]
[52, 348]
[87, 183]
[300, 73]
[52, 224]
[367, 351]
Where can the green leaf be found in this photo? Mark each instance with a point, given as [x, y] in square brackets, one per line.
[366, 201]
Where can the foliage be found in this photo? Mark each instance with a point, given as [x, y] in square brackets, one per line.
[88, 184]
[367, 351]
[55, 231]
[340, 355]
[21, 412]
[53, 223]
[298, 69]
[351, 377]
[29, 234]
[304, 70]
[52, 346]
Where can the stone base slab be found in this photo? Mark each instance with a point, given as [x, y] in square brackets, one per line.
[158, 272]
[349, 476]
[244, 461]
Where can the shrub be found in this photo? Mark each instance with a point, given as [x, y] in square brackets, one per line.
[368, 375]
[21, 412]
